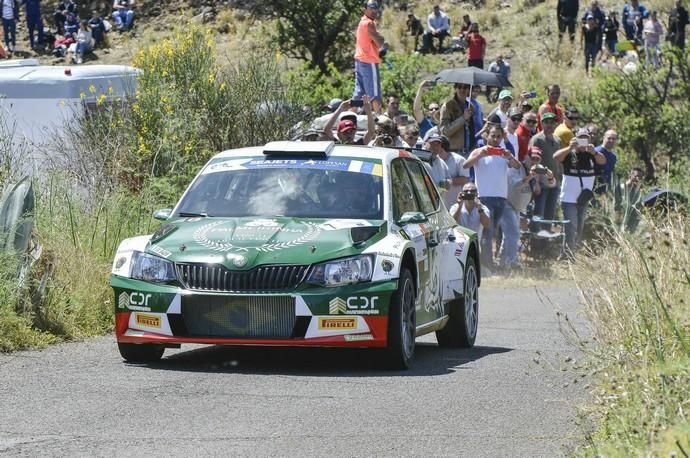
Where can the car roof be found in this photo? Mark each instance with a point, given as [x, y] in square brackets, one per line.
[335, 150]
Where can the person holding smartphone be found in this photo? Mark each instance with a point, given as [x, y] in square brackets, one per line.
[579, 159]
[491, 163]
[346, 128]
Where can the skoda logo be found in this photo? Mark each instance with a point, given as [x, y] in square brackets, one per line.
[239, 261]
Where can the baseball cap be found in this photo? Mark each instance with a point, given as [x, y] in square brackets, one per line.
[582, 132]
[572, 113]
[548, 115]
[346, 125]
[536, 151]
[333, 104]
[505, 93]
[372, 5]
[514, 111]
[494, 119]
[434, 138]
[348, 115]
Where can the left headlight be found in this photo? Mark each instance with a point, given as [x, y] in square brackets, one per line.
[343, 271]
[151, 268]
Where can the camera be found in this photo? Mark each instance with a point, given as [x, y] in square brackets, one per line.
[582, 142]
[468, 195]
[384, 140]
[540, 170]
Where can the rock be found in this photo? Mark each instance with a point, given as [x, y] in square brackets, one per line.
[224, 28]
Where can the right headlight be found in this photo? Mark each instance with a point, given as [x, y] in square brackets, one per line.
[151, 268]
[343, 271]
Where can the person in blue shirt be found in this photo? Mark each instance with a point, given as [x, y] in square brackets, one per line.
[604, 173]
[633, 13]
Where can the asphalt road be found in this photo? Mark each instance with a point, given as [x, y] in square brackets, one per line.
[513, 394]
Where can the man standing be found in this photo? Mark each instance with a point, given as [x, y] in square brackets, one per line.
[491, 165]
[33, 21]
[605, 172]
[633, 14]
[476, 47]
[459, 175]
[566, 130]
[677, 21]
[578, 159]
[545, 203]
[456, 119]
[524, 133]
[438, 26]
[505, 99]
[438, 169]
[566, 10]
[369, 43]
[469, 211]
[553, 93]
[500, 67]
[10, 15]
[393, 110]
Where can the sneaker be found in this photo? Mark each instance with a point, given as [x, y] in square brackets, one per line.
[79, 60]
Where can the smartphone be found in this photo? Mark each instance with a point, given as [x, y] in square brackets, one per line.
[583, 142]
[357, 103]
[495, 151]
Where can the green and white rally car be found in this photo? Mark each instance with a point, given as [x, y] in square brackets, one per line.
[301, 244]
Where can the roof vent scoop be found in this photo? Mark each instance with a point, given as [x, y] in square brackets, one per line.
[363, 233]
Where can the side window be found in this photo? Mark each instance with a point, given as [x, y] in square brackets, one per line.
[428, 197]
[403, 193]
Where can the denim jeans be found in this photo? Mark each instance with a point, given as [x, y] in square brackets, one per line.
[545, 205]
[123, 19]
[9, 26]
[573, 230]
[495, 206]
[83, 47]
[611, 44]
[591, 51]
[510, 225]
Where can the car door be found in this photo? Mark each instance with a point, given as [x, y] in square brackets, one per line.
[431, 289]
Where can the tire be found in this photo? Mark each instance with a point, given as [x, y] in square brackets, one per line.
[402, 325]
[461, 328]
[140, 353]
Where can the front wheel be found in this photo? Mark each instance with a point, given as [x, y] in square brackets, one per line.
[402, 326]
[461, 328]
[140, 353]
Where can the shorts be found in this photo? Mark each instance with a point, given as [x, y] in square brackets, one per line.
[367, 81]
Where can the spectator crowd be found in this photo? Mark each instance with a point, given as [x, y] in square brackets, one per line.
[65, 31]
[521, 174]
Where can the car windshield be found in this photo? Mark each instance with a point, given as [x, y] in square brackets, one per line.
[295, 188]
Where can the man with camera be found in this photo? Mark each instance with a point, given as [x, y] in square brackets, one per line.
[387, 133]
[469, 211]
[529, 178]
[347, 123]
[578, 159]
[491, 163]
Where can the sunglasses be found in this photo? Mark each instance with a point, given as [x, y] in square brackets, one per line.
[549, 121]
[531, 121]
[516, 119]
[434, 108]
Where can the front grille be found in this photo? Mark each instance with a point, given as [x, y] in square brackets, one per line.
[215, 277]
[248, 316]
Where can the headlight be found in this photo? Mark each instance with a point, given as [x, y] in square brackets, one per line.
[151, 268]
[343, 271]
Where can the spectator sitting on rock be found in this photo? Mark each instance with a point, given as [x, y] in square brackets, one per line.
[71, 25]
[84, 41]
[123, 14]
[60, 15]
[438, 26]
[415, 28]
[98, 30]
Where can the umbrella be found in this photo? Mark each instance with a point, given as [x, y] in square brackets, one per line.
[472, 76]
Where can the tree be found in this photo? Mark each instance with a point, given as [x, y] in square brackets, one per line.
[317, 31]
[648, 107]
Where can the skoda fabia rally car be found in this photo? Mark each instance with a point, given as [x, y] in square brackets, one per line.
[301, 244]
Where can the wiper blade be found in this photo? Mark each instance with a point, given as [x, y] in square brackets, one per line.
[192, 215]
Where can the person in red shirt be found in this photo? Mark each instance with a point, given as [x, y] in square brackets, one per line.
[524, 133]
[551, 105]
[476, 47]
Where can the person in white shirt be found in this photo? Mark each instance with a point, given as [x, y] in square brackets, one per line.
[469, 211]
[491, 163]
[512, 122]
[438, 26]
[438, 169]
[84, 41]
[459, 175]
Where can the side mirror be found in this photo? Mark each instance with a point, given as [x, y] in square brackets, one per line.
[412, 218]
[162, 214]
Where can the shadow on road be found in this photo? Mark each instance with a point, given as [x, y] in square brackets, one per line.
[319, 362]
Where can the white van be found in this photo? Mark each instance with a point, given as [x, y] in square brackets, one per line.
[36, 100]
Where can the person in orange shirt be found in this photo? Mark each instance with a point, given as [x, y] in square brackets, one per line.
[553, 92]
[369, 47]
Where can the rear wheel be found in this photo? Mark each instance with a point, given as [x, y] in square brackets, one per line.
[140, 353]
[461, 329]
[402, 326]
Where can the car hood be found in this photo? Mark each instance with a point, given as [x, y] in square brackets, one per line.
[243, 243]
